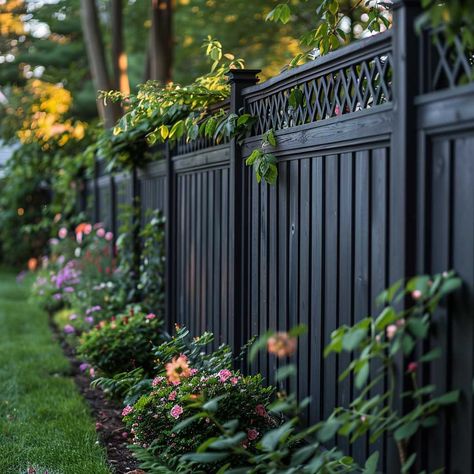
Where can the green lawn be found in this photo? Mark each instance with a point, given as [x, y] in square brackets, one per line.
[44, 421]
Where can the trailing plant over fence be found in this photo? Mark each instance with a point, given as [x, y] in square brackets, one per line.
[338, 22]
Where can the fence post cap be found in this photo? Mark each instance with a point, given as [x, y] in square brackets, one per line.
[242, 75]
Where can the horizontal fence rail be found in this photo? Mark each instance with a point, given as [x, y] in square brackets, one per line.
[375, 182]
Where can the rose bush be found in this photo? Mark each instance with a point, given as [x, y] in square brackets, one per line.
[154, 419]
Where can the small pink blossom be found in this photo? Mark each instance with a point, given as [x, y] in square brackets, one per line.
[92, 372]
[172, 395]
[416, 294]
[234, 380]
[363, 418]
[109, 236]
[400, 323]
[62, 234]
[224, 375]
[260, 410]
[150, 316]
[87, 229]
[193, 371]
[391, 331]
[156, 381]
[252, 434]
[100, 232]
[176, 411]
[127, 410]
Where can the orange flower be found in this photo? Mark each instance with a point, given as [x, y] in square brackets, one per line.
[177, 369]
[32, 264]
[282, 344]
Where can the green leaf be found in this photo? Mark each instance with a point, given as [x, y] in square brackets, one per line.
[409, 463]
[432, 355]
[253, 157]
[450, 285]
[328, 430]
[448, 398]
[407, 430]
[352, 339]
[284, 372]
[418, 327]
[386, 317]
[271, 439]
[213, 404]
[227, 443]
[204, 457]
[362, 375]
[371, 463]
[186, 422]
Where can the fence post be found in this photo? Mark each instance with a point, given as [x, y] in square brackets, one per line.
[96, 210]
[403, 161]
[238, 80]
[136, 218]
[170, 318]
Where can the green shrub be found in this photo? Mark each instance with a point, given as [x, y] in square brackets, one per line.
[122, 344]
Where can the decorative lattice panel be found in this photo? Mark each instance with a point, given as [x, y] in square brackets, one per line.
[451, 63]
[340, 91]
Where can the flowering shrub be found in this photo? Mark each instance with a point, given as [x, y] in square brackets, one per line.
[122, 344]
[154, 419]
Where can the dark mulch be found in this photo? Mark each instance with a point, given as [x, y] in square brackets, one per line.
[111, 430]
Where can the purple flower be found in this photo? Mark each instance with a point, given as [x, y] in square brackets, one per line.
[57, 296]
[68, 289]
[93, 309]
[72, 317]
[84, 366]
[21, 276]
[89, 319]
[68, 329]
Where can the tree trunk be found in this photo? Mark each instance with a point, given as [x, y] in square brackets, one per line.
[119, 57]
[161, 40]
[96, 57]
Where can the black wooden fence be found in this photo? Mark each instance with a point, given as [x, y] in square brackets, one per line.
[376, 182]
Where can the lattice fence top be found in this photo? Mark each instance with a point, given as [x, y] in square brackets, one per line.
[341, 90]
[450, 65]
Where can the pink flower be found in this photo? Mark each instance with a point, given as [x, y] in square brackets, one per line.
[363, 418]
[193, 371]
[176, 411]
[260, 410]
[224, 375]
[234, 380]
[400, 323]
[109, 236]
[252, 434]
[100, 232]
[62, 234]
[391, 331]
[156, 381]
[172, 395]
[87, 229]
[416, 294]
[150, 316]
[412, 366]
[127, 410]
[337, 110]
[92, 372]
